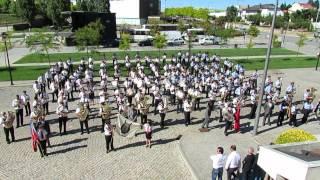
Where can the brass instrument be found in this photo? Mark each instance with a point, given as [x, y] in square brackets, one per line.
[83, 113]
[106, 111]
[8, 123]
[144, 105]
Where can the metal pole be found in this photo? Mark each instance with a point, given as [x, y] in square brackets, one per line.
[9, 67]
[318, 61]
[266, 65]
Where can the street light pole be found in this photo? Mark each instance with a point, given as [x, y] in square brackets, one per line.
[266, 65]
[4, 37]
[318, 60]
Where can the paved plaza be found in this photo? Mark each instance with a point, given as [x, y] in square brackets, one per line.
[75, 156]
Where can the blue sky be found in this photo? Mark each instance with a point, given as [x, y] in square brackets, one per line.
[219, 4]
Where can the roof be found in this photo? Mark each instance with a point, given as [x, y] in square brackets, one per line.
[260, 7]
[306, 5]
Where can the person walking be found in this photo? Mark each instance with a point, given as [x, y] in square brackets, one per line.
[207, 115]
[282, 112]
[6, 119]
[233, 163]
[108, 132]
[247, 164]
[307, 109]
[268, 108]
[42, 134]
[218, 161]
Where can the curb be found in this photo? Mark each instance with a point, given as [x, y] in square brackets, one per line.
[187, 163]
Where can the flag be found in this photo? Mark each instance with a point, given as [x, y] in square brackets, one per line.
[125, 127]
[34, 137]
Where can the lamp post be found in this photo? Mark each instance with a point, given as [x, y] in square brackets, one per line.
[318, 55]
[266, 65]
[4, 36]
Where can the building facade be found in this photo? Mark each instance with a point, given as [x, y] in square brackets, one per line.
[134, 12]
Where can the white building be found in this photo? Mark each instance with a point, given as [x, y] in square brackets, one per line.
[300, 6]
[218, 14]
[264, 9]
[134, 12]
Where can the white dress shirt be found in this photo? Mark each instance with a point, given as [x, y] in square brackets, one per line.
[233, 160]
[218, 161]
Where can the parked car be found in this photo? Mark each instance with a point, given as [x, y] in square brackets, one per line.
[175, 42]
[208, 41]
[146, 42]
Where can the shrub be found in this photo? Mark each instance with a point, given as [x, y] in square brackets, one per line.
[294, 135]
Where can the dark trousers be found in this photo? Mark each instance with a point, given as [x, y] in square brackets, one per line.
[197, 104]
[293, 120]
[19, 117]
[156, 103]
[187, 118]
[227, 127]
[109, 142]
[265, 117]
[179, 106]
[27, 108]
[246, 175]
[103, 124]
[129, 99]
[253, 111]
[7, 131]
[43, 148]
[231, 173]
[281, 118]
[162, 116]
[85, 122]
[63, 120]
[55, 93]
[305, 115]
[173, 99]
[144, 118]
[46, 108]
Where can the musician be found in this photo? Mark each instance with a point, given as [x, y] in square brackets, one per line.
[42, 135]
[36, 87]
[162, 108]
[278, 85]
[108, 132]
[207, 115]
[227, 116]
[254, 103]
[293, 115]
[143, 109]
[44, 100]
[187, 111]
[62, 112]
[282, 112]
[18, 105]
[26, 101]
[180, 97]
[6, 119]
[197, 94]
[130, 94]
[54, 90]
[83, 114]
[157, 99]
[268, 108]
[291, 89]
[307, 109]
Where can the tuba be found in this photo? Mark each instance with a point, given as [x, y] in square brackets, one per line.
[83, 114]
[106, 111]
[8, 123]
[144, 105]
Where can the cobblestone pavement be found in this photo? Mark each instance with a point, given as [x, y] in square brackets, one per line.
[76, 156]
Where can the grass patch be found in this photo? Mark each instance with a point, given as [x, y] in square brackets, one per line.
[55, 57]
[10, 19]
[32, 72]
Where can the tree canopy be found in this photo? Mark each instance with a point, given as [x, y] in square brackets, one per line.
[26, 9]
[232, 13]
[201, 13]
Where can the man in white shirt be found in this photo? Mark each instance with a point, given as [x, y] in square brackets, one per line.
[187, 111]
[26, 101]
[17, 104]
[233, 163]
[218, 161]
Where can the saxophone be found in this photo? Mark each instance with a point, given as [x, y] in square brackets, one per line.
[83, 114]
[144, 105]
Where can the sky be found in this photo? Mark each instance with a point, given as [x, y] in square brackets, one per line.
[219, 4]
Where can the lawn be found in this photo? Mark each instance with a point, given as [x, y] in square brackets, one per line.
[31, 73]
[9, 19]
[37, 58]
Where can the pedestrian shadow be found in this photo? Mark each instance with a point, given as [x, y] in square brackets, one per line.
[67, 150]
[163, 141]
[139, 143]
[23, 139]
[75, 141]
[245, 127]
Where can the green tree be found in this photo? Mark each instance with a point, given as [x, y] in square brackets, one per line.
[125, 42]
[5, 6]
[255, 19]
[54, 9]
[89, 35]
[182, 27]
[41, 43]
[232, 13]
[207, 27]
[225, 34]
[301, 41]
[275, 42]
[250, 43]
[159, 42]
[26, 9]
[253, 31]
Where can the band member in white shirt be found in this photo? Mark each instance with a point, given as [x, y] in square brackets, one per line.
[83, 114]
[187, 111]
[36, 87]
[108, 132]
[17, 104]
[44, 99]
[62, 112]
[26, 100]
[6, 119]
[162, 108]
[180, 97]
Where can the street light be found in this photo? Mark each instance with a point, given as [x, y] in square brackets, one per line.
[266, 65]
[4, 36]
[318, 54]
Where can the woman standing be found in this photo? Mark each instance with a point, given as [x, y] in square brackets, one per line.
[108, 132]
[148, 131]
[237, 118]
